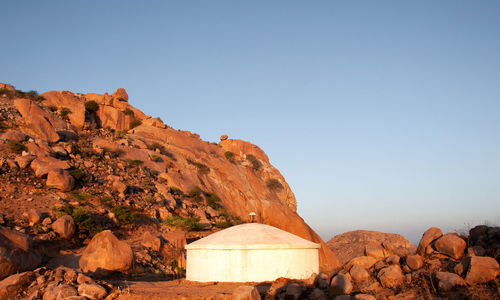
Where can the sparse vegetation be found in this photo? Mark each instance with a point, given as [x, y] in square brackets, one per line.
[66, 209]
[32, 95]
[191, 224]
[134, 163]
[274, 184]
[64, 113]
[212, 200]
[83, 219]
[256, 164]
[202, 169]
[229, 155]
[134, 124]
[195, 194]
[162, 150]
[80, 175]
[79, 196]
[156, 158]
[124, 214]
[91, 106]
[128, 112]
[53, 108]
[105, 200]
[175, 190]
[16, 146]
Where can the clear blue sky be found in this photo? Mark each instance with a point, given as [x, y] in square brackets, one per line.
[381, 115]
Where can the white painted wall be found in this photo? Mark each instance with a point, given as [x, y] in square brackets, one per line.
[250, 265]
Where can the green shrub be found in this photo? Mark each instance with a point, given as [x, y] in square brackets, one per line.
[156, 158]
[16, 146]
[274, 184]
[91, 106]
[83, 219]
[79, 196]
[135, 163]
[128, 112]
[223, 224]
[256, 164]
[195, 194]
[64, 113]
[184, 223]
[33, 95]
[229, 155]
[124, 214]
[80, 175]
[149, 199]
[175, 190]
[212, 200]
[202, 169]
[105, 200]
[162, 149]
[66, 209]
[134, 124]
[53, 108]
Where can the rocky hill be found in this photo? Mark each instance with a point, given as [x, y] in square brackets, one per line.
[107, 165]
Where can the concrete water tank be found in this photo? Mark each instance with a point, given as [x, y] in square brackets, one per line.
[251, 253]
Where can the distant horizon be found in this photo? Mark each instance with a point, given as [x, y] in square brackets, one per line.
[380, 116]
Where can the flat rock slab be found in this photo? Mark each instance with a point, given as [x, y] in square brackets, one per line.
[180, 289]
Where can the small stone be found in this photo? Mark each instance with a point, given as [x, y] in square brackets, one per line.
[363, 297]
[92, 291]
[223, 137]
[60, 179]
[447, 281]
[64, 227]
[245, 292]
[293, 291]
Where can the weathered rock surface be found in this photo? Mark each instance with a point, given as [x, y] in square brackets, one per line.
[106, 253]
[391, 276]
[245, 292]
[60, 179]
[16, 254]
[428, 237]
[352, 244]
[41, 123]
[447, 281]
[92, 291]
[482, 269]
[341, 285]
[451, 244]
[14, 284]
[64, 227]
[415, 262]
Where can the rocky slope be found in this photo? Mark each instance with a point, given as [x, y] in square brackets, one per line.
[107, 165]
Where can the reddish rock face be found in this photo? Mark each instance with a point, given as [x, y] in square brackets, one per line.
[428, 237]
[482, 269]
[451, 245]
[41, 123]
[120, 94]
[105, 252]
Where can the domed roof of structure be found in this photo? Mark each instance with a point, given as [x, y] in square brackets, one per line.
[252, 236]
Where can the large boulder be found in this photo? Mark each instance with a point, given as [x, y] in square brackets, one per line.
[391, 276]
[42, 165]
[68, 100]
[451, 244]
[415, 262]
[16, 254]
[106, 253]
[41, 123]
[64, 227]
[55, 291]
[60, 179]
[341, 285]
[428, 237]
[482, 269]
[120, 94]
[357, 243]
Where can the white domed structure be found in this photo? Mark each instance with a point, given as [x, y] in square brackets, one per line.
[251, 253]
